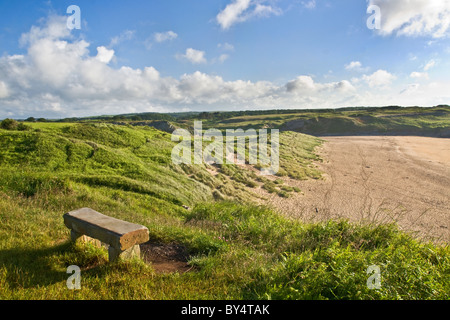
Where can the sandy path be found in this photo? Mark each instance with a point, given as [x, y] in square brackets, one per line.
[379, 179]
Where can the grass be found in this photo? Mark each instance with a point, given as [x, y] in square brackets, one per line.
[126, 172]
[265, 256]
[433, 121]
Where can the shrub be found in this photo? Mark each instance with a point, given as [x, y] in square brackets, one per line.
[9, 124]
[23, 127]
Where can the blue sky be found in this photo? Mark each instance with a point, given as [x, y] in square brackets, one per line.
[138, 56]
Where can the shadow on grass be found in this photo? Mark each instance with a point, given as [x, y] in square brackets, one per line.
[31, 268]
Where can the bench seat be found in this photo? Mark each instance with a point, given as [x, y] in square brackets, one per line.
[121, 237]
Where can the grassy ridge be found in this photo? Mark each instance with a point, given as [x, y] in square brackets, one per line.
[434, 121]
[392, 120]
[237, 250]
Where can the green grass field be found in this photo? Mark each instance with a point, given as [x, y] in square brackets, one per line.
[237, 250]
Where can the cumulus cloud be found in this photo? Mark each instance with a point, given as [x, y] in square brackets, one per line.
[414, 17]
[301, 84]
[232, 13]
[59, 77]
[307, 85]
[242, 10]
[419, 75]
[193, 56]
[52, 30]
[355, 66]
[3, 90]
[104, 55]
[343, 86]
[379, 78]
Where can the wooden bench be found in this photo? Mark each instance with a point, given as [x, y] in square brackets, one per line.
[121, 237]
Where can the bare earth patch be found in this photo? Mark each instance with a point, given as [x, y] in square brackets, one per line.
[165, 258]
[373, 179]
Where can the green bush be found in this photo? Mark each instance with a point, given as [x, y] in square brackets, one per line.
[23, 127]
[9, 124]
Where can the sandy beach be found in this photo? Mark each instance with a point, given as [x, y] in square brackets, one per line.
[373, 179]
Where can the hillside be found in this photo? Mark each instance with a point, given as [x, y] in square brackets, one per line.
[392, 120]
[433, 121]
[231, 248]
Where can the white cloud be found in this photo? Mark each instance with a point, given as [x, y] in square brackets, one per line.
[423, 75]
[310, 4]
[414, 17]
[51, 31]
[429, 65]
[226, 46]
[355, 66]
[200, 87]
[124, 36]
[307, 85]
[232, 13]
[223, 57]
[159, 37]
[165, 36]
[262, 10]
[419, 75]
[58, 77]
[379, 78]
[3, 90]
[193, 56]
[242, 10]
[104, 55]
[343, 86]
[301, 84]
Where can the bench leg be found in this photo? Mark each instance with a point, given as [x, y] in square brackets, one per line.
[113, 253]
[76, 236]
[130, 253]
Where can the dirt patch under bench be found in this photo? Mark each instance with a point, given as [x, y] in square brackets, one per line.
[166, 258]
